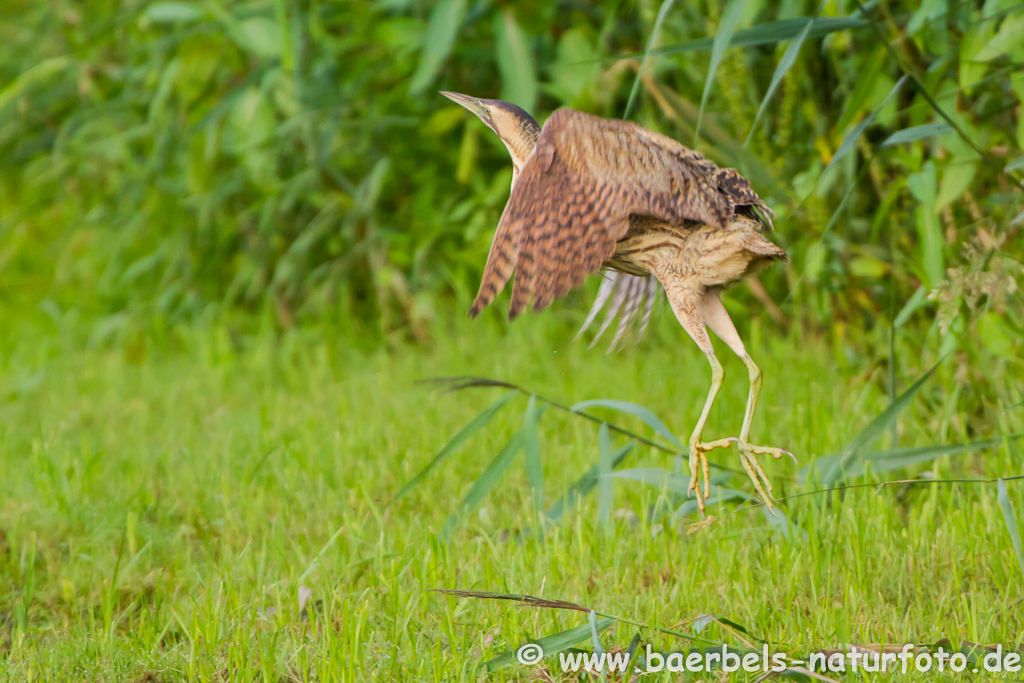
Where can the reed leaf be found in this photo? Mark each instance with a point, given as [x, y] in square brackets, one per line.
[763, 34]
[552, 644]
[848, 460]
[1010, 517]
[663, 11]
[726, 29]
[483, 485]
[785, 64]
[648, 417]
[443, 29]
[463, 435]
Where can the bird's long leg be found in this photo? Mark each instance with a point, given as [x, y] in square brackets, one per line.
[714, 314]
[685, 305]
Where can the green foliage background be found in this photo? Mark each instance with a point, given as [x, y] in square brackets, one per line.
[164, 161]
[233, 233]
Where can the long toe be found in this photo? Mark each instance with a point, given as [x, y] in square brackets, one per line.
[770, 450]
[762, 484]
[699, 465]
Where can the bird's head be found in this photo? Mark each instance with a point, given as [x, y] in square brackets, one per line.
[517, 129]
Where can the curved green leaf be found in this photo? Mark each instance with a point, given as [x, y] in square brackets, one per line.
[635, 410]
[666, 5]
[785, 64]
[445, 21]
[474, 426]
[172, 12]
[762, 34]
[552, 644]
[914, 133]
[1011, 520]
[855, 134]
[585, 484]
[518, 76]
[483, 484]
[723, 37]
[847, 461]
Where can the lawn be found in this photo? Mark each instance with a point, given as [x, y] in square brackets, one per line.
[165, 504]
[235, 235]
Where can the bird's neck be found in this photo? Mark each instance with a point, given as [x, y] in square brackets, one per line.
[518, 155]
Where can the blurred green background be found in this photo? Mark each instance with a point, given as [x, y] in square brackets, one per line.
[233, 235]
[291, 163]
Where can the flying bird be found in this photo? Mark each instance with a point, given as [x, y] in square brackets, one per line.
[621, 292]
[590, 193]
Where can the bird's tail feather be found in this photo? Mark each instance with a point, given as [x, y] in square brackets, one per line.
[627, 294]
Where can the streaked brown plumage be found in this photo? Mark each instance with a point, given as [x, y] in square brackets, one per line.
[621, 291]
[595, 193]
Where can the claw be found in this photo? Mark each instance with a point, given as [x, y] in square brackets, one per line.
[699, 464]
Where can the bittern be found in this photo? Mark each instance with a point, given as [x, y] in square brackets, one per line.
[590, 193]
[620, 291]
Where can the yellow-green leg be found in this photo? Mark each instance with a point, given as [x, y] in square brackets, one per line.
[684, 304]
[698, 448]
[748, 450]
[716, 317]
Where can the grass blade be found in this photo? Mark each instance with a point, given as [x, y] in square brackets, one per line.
[442, 30]
[923, 91]
[483, 484]
[855, 134]
[661, 478]
[850, 456]
[604, 470]
[666, 5]
[585, 484]
[526, 600]
[726, 28]
[785, 64]
[40, 72]
[171, 12]
[679, 484]
[475, 425]
[633, 650]
[531, 453]
[1011, 521]
[718, 495]
[595, 635]
[898, 458]
[518, 75]
[916, 301]
[778, 521]
[914, 133]
[552, 644]
[635, 410]
[762, 34]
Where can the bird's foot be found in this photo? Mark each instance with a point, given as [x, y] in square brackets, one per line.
[699, 463]
[754, 471]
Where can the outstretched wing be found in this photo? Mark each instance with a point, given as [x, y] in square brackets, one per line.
[574, 197]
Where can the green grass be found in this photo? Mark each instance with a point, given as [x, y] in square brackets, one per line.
[169, 488]
[159, 498]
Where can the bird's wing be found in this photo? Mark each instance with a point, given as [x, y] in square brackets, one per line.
[573, 198]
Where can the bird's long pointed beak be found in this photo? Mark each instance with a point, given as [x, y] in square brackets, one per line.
[470, 103]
